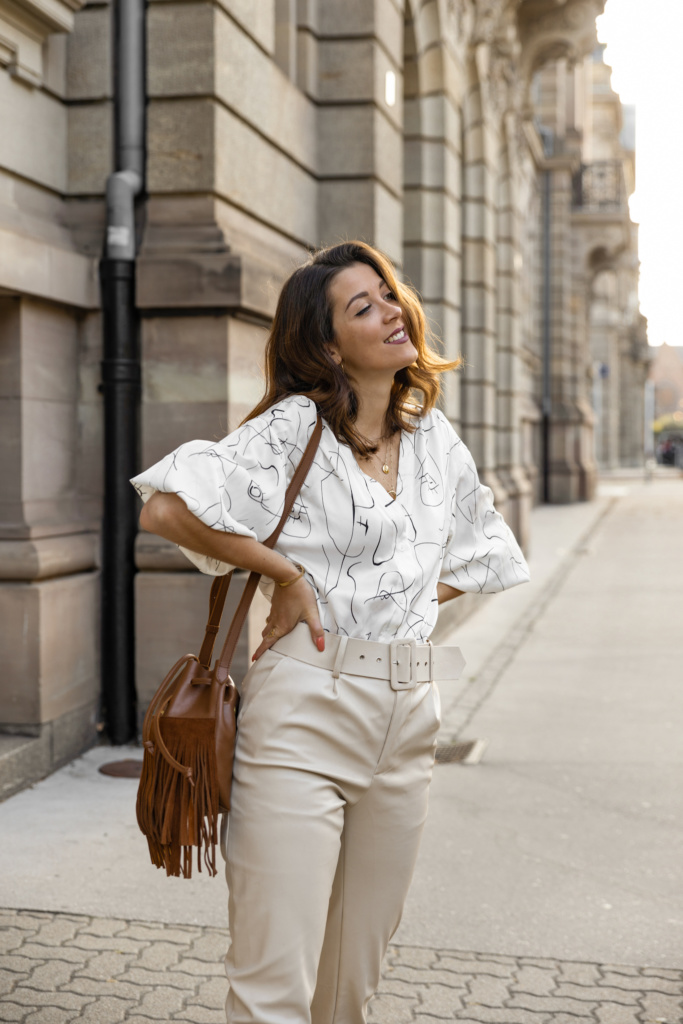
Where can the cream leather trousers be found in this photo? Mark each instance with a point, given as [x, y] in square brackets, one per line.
[329, 800]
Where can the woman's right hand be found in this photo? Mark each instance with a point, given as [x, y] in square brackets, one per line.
[291, 605]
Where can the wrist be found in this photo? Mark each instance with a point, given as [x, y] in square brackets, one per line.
[294, 572]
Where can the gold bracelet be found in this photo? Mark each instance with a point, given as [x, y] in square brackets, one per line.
[288, 583]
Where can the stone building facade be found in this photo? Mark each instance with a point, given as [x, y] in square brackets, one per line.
[466, 139]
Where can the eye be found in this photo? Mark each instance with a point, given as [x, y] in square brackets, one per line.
[362, 311]
[390, 295]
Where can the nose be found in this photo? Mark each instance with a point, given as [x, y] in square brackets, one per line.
[392, 310]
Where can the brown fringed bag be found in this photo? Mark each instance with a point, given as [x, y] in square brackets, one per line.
[189, 730]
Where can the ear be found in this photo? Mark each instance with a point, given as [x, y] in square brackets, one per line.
[334, 354]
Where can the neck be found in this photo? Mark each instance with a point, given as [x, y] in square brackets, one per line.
[373, 402]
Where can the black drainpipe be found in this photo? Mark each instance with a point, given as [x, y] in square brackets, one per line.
[546, 395]
[121, 373]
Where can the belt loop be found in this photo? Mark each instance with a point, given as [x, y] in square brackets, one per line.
[336, 668]
[430, 676]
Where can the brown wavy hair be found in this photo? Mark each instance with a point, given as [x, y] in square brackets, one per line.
[298, 360]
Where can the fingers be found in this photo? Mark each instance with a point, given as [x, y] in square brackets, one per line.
[317, 632]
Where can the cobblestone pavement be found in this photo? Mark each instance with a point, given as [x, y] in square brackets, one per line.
[56, 968]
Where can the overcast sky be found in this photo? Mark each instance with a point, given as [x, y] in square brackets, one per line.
[644, 47]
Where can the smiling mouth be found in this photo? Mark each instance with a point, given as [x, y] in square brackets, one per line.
[399, 336]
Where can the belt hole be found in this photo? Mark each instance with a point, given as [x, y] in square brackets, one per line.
[362, 657]
[378, 659]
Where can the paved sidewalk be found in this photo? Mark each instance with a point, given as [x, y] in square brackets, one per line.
[59, 968]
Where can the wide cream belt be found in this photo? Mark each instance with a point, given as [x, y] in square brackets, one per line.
[402, 662]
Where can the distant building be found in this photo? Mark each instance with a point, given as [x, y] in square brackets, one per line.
[479, 144]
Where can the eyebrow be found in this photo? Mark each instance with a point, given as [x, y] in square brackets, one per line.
[364, 295]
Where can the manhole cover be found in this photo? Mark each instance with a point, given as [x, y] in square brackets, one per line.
[465, 752]
[129, 769]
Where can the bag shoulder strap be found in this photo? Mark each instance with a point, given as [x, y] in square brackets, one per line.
[219, 588]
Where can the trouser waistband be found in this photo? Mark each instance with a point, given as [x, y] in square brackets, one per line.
[402, 662]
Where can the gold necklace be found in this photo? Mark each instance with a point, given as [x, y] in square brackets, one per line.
[387, 464]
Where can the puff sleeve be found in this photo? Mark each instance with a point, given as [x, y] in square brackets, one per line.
[236, 485]
[481, 554]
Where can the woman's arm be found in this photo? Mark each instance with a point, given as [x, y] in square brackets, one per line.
[446, 593]
[168, 516]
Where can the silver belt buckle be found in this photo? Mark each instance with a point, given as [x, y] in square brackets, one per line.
[394, 681]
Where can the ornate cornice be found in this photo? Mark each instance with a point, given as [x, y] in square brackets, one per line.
[554, 29]
[24, 27]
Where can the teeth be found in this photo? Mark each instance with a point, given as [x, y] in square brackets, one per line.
[396, 334]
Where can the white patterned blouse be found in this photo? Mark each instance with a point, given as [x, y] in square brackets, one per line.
[373, 561]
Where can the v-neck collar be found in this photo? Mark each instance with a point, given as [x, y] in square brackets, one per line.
[335, 448]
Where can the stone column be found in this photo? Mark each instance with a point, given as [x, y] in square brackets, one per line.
[49, 368]
[359, 123]
[509, 368]
[432, 185]
[480, 151]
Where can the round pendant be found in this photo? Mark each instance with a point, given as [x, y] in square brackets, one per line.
[393, 494]
[385, 468]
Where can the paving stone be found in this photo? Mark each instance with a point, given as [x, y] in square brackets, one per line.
[11, 938]
[668, 1008]
[427, 977]
[104, 926]
[391, 1010]
[200, 1015]
[661, 972]
[10, 979]
[50, 1015]
[211, 947]
[503, 1015]
[641, 984]
[394, 987]
[455, 954]
[596, 993]
[550, 1004]
[413, 956]
[19, 964]
[486, 991]
[580, 974]
[497, 959]
[626, 969]
[211, 993]
[108, 987]
[106, 1010]
[612, 1014]
[153, 933]
[571, 1018]
[158, 957]
[148, 979]
[12, 1011]
[44, 952]
[51, 975]
[161, 1002]
[539, 981]
[115, 943]
[199, 967]
[58, 930]
[18, 919]
[474, 967]
[103, 966]
[441, 1001]
[34, 997]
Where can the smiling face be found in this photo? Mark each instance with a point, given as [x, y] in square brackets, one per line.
[370, 333]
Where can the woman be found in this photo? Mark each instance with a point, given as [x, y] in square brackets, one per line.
[339, 712]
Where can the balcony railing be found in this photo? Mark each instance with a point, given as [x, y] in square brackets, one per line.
[600, 186]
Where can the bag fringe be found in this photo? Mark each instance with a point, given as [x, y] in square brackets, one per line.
[177, 813]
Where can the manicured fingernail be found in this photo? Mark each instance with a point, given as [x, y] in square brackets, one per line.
[320, 643]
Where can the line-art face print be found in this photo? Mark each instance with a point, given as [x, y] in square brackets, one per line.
[374, 561]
